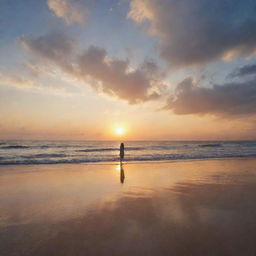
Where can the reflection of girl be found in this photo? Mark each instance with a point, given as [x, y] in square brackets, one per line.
[121, 151]
[122, 177]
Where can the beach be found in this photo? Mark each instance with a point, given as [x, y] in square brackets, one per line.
[195, 207]
[127, 128]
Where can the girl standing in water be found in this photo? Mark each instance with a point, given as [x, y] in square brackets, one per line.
[121, 152]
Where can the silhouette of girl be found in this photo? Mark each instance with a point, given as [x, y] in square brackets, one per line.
[121, 152]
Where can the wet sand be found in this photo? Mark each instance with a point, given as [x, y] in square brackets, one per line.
[178, 208]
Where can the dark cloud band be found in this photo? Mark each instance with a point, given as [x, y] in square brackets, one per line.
[244, 71]
[231, 99]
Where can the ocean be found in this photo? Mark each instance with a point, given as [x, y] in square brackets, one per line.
[54, 152]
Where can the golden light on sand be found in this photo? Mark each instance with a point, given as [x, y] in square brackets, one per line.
[117, 167]
[119, 130]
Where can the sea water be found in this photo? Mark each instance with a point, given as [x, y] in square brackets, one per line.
[53, 152]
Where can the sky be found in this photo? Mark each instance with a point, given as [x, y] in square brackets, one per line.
[154, 69]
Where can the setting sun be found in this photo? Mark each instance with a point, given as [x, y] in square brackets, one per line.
[119, 131]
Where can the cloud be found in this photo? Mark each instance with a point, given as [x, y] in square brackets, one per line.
[16, 81]
[245, 70]
[194, 32]
[56, 47]
[230, 99]
[71, 11]
[114, 77]
[33, 83]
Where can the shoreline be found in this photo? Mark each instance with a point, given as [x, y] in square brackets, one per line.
[131, 162]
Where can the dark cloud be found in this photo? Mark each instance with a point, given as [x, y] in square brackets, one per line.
[229, 99]
[114, 77]
[245, 70]
[194, 32]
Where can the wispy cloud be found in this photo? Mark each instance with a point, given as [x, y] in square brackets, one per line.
[56, 47]
[71, 11]
[16, 81]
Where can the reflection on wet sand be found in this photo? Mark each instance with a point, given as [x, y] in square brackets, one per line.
[120, 169]
[122, 177]
[211, 213]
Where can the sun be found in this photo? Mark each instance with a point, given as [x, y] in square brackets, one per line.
[119, 131]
